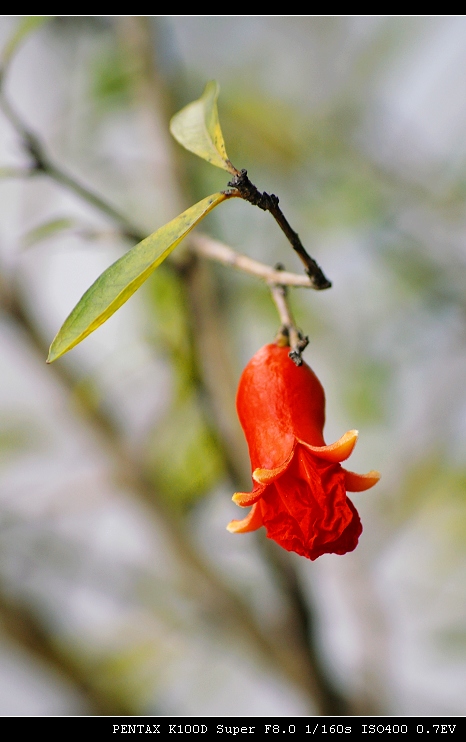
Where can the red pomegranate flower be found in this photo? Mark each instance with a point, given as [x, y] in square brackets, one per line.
[299, 492]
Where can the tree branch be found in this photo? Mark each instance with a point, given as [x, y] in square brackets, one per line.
[288, 334]
[206, 247]
[269, 202]
[42, 164]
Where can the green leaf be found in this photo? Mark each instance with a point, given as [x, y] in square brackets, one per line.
[196, 127]
[116, 284]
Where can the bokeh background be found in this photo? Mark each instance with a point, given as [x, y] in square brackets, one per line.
[120, 589]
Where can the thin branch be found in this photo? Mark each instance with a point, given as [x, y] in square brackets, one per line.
[277, 280]
[23, 626]
[42, 164]
[288, 333]
[269, 202]
[207, 247]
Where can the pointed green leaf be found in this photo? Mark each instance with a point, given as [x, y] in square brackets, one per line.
[116, 284]
[196, 127]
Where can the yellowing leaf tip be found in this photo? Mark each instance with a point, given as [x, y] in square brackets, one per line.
[197, 128]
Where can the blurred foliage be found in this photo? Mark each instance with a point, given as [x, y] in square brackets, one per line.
[452, 642]
[184, 455]
[353, 122]
[45, 231]
[433, 488]
[367, 393]
[111, 78]
[25, 27]
[437, 279]
[170, 325]
[264, 132]
[18, 436]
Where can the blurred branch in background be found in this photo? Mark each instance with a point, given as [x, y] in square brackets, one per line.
[294, 656]
[146, 606]
[214, 594]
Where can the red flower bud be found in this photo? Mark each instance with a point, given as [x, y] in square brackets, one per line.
[299, 492]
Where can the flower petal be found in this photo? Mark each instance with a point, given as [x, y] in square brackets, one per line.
[266, 476]
[338, 451]
[245, 499]
[360, 482]
[251, 522]
[307, 510]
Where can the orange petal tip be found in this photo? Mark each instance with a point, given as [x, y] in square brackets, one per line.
[266, 476]
[244, 499]
[360, 482]
[338, 451]
[251, 522]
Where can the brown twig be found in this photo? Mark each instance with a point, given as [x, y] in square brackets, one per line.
[288, 333]
[269, 202]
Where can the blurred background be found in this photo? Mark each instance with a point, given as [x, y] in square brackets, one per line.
[120, 589]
